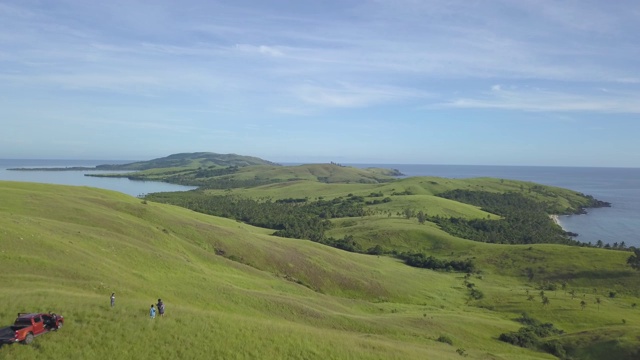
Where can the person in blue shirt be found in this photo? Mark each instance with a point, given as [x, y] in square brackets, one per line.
[152, 312]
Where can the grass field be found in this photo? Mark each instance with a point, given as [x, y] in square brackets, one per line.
[232, 291]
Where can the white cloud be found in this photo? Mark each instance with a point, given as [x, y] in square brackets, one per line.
[259, 49]
[352, 96]
[294, 111]
[271, 51]
[554, 101]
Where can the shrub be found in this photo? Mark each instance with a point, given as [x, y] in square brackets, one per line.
[530, 335]
[476, 294]
[445, 339]
[554, 347]
[549, 286]
[524, 337]
[375, 250]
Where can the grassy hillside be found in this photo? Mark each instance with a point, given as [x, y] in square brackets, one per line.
[559, 199]
[224, 171]
[234, 292]
[324, 173]
[190, 160]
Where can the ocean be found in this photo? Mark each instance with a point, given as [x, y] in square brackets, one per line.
[619, 186]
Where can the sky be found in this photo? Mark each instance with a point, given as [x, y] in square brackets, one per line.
[495, 82]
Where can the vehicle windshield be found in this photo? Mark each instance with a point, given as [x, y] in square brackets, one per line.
[22, 322]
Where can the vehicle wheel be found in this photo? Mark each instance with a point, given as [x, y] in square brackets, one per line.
[29, 339]
[59, 326]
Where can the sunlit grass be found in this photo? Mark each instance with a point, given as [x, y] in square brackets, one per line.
[65, 249]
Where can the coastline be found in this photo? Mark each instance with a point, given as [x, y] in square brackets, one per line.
[556, 220]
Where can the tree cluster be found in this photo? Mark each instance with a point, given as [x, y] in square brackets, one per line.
[532, 336]
[291, 218]
[524, 221]
[421, 260]
[634, 260]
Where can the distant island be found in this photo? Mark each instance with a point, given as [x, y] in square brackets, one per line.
[212, 170]
[175, 160]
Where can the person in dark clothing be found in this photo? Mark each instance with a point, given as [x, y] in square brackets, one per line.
[50, 321]
[160, 305]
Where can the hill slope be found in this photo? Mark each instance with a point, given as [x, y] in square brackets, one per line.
[234, 292]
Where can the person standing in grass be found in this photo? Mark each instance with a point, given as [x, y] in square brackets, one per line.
[152, 312]
[113, 299]
[160, 307]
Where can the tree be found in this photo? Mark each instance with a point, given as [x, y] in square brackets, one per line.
[563, 284]
[583, 304]
[634, 260]
[598, 301]
[530, 273]
[422, 217]
[375, 250]
[572, 293]
[599, 243]
[409, 213]
[545, 301]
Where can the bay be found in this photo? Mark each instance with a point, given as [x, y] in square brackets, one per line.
[77, 178]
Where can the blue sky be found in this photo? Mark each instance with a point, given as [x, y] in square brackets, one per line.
[504, 82]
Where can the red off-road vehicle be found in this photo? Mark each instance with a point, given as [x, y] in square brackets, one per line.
[29, 325]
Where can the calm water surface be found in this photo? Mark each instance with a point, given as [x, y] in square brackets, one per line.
[77, 178]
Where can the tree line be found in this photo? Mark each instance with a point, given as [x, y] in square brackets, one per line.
[292, 218]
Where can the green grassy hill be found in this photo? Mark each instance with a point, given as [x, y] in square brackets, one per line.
[240, 172]
[190, 160]
[324, 173]
[234, 292]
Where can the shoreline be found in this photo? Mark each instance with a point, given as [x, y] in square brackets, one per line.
[556, 220]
